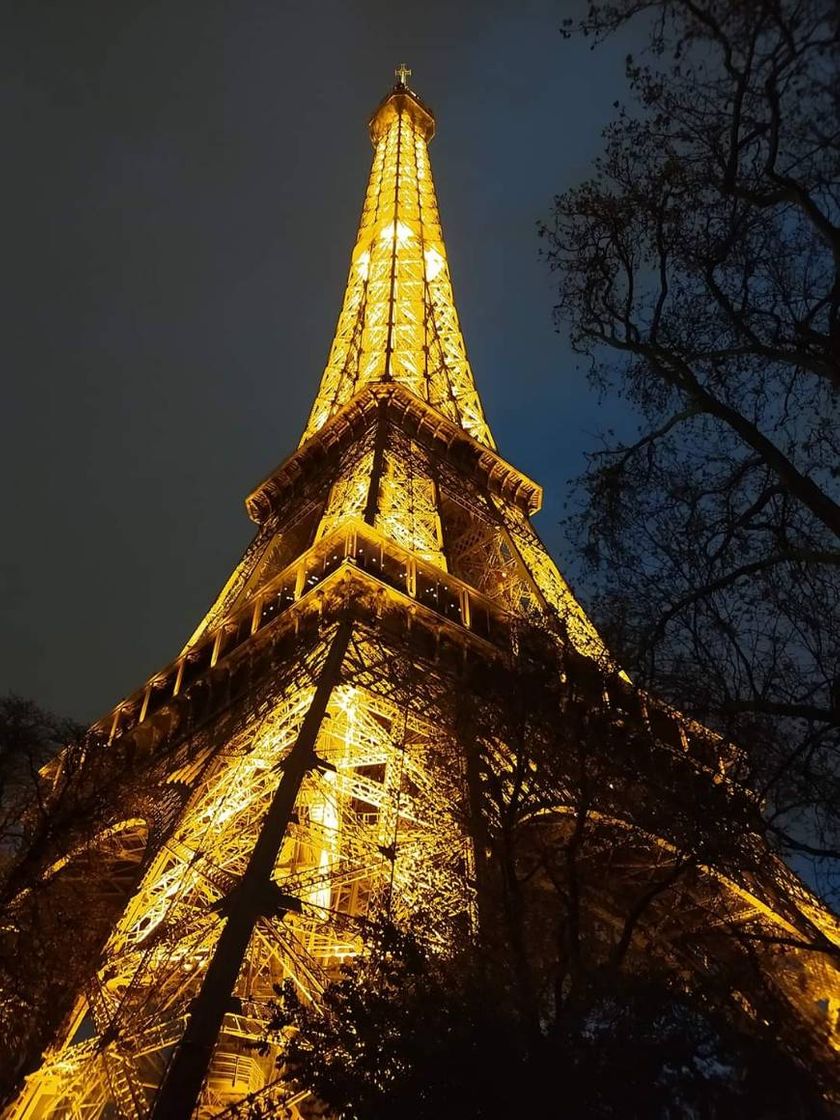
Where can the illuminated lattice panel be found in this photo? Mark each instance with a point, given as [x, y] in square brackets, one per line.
[550, 582]
[398, 320]
[480, 551]
[155, 959]
[407, 510]
[349, 492]
[368, 825]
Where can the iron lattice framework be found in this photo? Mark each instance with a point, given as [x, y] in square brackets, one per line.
[399, 322]
[300, 768]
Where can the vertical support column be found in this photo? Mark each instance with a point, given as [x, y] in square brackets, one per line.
[255, 614]
[372, 504]
[179, 676]
[466, 613]
[115, 723]
[479, 835]
[300, 579]
[443, 543]
[350, 545]
[145, 705]
[181, 1087]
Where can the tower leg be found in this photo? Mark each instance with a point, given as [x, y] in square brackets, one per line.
[181, 1087]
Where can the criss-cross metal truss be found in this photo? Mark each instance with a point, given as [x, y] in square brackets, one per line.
[375, 828]
[398, 321]
[304, 755]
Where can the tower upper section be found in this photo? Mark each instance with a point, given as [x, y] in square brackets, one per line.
[398, 322]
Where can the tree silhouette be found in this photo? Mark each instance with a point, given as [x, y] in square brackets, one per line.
[698, 272]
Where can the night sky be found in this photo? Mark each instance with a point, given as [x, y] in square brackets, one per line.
[181, 189]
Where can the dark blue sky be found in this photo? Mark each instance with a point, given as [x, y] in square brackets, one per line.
[181, 190]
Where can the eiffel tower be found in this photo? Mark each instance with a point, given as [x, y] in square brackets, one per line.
[302, 766]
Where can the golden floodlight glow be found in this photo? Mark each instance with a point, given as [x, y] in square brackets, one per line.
[399, 320]
[303, 767]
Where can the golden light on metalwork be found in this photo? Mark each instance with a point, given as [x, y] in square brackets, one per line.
[393, 547]
[398, 321]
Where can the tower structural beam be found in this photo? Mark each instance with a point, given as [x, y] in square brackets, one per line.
[249, 900]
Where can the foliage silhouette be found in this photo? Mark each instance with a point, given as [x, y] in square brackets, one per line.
[404, 1033]
[698, 272]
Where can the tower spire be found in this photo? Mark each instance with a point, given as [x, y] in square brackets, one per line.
[398, 322]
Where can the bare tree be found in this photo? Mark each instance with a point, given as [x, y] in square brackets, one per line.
[61, 856]
[618, 841]
[29, 737]
[698, 273]
[404, 1033]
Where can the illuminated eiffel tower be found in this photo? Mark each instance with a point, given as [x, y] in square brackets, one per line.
[300, 767]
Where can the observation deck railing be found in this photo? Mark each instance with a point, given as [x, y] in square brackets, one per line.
[386, 567]
[353, 543]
